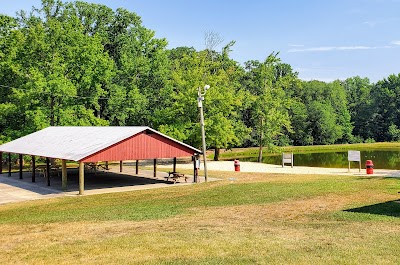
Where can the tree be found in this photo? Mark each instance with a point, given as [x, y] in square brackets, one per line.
[386, 107]
[358, 93]
[140, 59]
[78, 64]
[269, 111]
[56, 73]
[328, 119]
[190, 70]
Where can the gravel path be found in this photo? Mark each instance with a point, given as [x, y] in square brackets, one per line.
[268, 168]
[14, 190]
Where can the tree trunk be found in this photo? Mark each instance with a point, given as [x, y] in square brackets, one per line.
[260, 154]
[216, 154]
[52, 103]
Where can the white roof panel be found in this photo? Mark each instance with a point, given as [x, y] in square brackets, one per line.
[74, 143]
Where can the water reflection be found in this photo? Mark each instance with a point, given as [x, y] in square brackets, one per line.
[383, 159]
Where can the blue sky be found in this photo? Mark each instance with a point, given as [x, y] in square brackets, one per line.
[321, 39]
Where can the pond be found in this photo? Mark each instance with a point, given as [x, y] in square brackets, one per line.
[382, 159]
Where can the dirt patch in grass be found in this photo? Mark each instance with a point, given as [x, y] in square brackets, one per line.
[265, 177]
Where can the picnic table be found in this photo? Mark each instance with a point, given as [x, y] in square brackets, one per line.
[175, 176]
[42, 169]
[94, 167]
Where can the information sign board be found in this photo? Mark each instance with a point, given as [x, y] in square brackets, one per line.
[354, 156]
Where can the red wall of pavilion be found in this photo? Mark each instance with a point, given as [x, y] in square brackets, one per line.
[140, 147]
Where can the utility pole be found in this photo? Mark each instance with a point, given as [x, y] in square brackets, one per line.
[200, 99]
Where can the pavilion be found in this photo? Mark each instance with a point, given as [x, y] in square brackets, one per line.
[88, 145]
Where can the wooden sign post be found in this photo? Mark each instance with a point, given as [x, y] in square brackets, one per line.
[356, 157]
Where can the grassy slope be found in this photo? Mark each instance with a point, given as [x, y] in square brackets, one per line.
[256, 218]
[253, 151]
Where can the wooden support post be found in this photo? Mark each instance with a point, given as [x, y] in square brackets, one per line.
[81, 177]
[120, 166]
[137, 167]
[1, 162]
[9, 164]
[64, 175]
[48, 171]
[33, 169]
[174, 168]
[21, 162]
[292, 160]
[194, 169]
[106, 165]
[359, 166]
[155, 168]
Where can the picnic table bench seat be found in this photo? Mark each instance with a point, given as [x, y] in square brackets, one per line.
[175, 176]
[95, 167]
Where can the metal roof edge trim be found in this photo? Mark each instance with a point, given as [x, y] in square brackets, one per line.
[179, 142]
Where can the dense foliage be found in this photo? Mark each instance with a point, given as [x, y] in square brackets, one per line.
[85, 64]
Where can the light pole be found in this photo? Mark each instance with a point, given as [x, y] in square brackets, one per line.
[200, 99]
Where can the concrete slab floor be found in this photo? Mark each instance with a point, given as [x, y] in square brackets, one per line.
[13, 189]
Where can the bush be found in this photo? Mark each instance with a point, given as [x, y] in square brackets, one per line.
[284, 140]
[356, 139]
[394, 133]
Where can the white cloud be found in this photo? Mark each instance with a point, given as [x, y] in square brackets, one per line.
[356, 48]
[296, 45]
[395, 42]
[314, 49]
[341, 48]
[381, 21]
[370, 23]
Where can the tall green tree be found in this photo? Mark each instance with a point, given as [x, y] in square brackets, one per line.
[269, 111]
[79, 64]
[358, 93]
[386, 107]
[223, 101]
[57, 73]
[328, 118]
[140, 59]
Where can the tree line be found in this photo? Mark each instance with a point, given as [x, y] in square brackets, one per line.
[84, 64]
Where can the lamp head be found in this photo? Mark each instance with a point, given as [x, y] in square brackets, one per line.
[206, 87]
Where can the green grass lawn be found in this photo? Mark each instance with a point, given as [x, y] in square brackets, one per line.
[254, 219]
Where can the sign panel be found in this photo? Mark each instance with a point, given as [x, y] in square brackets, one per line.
[354, 156]
[287, 158]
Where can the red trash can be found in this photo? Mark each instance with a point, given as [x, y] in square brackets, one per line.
[236, 163]
[369, 165]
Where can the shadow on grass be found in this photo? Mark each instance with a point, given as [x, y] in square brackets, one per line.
[390, 208]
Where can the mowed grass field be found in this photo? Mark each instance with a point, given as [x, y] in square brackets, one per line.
[245, 218]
